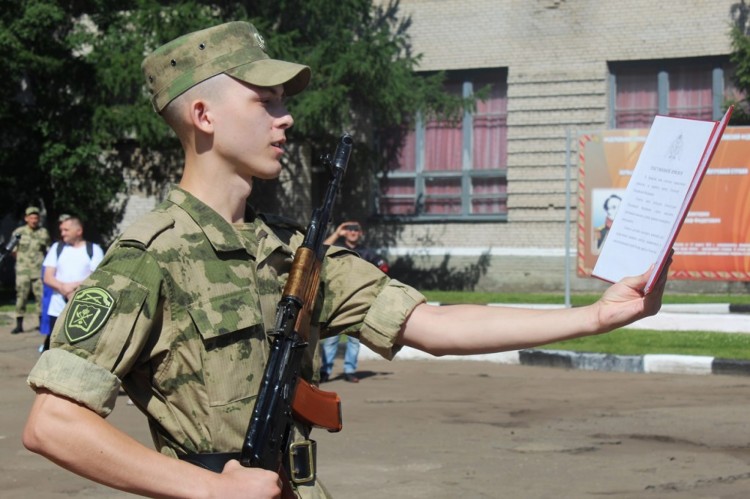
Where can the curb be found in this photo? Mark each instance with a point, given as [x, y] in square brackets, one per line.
[739, 308]
[647, 364]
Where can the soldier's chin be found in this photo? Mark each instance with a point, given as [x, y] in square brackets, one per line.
[269, 175]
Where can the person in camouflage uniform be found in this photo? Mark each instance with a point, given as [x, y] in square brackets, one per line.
[32, 246]
[178, 311]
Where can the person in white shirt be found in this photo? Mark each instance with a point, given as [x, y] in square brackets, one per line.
[66, 266]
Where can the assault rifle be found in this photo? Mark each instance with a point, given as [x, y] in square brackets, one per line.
[283, 396]
[8, 248]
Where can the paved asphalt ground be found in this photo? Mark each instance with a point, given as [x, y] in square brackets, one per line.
[476, 428]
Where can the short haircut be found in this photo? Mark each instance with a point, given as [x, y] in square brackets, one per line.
[74, 221]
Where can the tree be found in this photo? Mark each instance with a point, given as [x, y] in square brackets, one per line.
[49, 155]
[86, 118]
[740, 57]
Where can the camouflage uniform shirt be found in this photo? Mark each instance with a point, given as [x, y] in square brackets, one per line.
[178, 311]
[31, 250]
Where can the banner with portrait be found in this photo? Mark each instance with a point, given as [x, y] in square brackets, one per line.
[714, 242]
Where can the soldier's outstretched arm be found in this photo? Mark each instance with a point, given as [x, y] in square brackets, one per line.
[83, 442]
[474, 329]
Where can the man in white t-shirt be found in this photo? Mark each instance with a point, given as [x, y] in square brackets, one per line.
[67, 266]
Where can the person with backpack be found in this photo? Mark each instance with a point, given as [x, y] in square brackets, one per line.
[67, 264]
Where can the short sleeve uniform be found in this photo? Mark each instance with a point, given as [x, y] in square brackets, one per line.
[178, 312]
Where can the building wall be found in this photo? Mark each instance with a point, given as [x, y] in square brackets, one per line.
[556, 52]
[138, 203]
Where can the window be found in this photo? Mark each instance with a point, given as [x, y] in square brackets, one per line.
[455, 169]
[688, 88]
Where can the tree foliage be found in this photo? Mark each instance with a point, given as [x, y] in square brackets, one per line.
[740, 58]
[48, 155]
[75, 114]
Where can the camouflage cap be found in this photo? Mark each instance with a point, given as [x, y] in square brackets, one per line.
[234, 48]
[32, 210]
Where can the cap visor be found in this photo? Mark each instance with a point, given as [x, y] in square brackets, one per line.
[272, 72]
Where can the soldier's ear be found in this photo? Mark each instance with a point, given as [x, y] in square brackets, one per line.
[201, 116]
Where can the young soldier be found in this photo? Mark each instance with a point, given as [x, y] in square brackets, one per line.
[177, 311]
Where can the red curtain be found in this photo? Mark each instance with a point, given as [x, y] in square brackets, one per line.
[490, 151]
[398, 195]
[490, 129]
[637, 100]
[690, 93]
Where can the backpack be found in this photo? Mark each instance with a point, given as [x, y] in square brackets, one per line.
[89, 249]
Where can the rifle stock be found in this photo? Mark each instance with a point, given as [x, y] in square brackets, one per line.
[283, 396]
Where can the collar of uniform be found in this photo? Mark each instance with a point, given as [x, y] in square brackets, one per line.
[220, 233]
[269, 241]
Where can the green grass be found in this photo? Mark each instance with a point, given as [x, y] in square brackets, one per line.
[642, 342]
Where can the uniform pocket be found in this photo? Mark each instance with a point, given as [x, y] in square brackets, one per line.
[234, 346]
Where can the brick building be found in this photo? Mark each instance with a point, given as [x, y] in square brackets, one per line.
[557, 68]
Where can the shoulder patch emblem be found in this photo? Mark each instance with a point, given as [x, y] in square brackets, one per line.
[88, 312]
